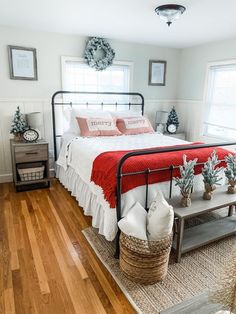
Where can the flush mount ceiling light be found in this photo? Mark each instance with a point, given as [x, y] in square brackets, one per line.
[170, 12]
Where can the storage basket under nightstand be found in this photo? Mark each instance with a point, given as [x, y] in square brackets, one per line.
[145, 262]
[31, 174]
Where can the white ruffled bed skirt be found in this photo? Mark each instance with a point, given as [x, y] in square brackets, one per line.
[102, 218]
[90, 197]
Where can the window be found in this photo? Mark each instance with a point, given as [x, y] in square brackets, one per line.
[78, 76]
[220, 109]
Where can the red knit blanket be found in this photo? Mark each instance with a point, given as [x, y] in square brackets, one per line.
[105, 167]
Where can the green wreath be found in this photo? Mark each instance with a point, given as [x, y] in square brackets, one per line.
[95, 46]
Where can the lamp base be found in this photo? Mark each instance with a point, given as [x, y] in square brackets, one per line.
[160, 128]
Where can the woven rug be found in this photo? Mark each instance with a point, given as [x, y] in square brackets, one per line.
[197, 272]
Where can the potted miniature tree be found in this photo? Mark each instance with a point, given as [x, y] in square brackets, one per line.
[172, 120]
[230, 173]
[211, 176]
[18, 125]
[185, 182]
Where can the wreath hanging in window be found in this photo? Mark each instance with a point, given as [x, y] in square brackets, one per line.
[99, 54]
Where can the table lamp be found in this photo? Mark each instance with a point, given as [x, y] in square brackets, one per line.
[161, 119]
[35, 121]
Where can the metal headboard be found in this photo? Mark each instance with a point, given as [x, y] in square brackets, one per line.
[138, 97]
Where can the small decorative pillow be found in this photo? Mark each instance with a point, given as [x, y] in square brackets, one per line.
[134, 223]
[134, 125]
[160, 218]
[97, 127]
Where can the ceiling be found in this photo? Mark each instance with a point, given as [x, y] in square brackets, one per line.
[128, 20]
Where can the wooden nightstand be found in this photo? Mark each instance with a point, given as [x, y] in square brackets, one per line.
[181, 135]
[30, 155]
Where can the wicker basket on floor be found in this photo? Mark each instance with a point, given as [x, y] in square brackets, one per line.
[145, 262]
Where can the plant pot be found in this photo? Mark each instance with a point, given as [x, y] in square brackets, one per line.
[232, 187]
[185, 200]
[17, 137]
[207, 195]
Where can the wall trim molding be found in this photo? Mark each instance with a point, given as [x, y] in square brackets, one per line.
[25, 100]
[150, 100]
[6, 178]
[189, 101]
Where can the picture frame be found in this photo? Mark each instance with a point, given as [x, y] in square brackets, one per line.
[22, 63]
[157, 73]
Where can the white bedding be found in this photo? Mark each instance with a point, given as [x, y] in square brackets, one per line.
[75, 165]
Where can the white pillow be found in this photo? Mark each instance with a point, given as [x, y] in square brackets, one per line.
[134, 223]
[160, 218]
[126, 114]
[84, 113]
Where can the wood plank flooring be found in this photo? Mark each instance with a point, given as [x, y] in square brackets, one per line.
[46, 264]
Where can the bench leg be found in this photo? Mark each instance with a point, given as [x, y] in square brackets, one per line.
[231, 210]
[180, 233]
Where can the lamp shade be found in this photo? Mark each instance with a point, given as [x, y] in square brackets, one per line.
[34, 119]
[161, 116]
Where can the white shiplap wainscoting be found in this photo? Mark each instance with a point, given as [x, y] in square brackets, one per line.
[8, 108]
[190, 114]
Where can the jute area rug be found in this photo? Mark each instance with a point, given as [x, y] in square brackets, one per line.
[197, 272]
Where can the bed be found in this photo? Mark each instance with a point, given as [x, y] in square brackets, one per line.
[77, 156]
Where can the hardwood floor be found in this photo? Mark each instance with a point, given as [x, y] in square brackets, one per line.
[46, 264]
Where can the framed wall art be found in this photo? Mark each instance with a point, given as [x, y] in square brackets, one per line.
[23, 63]
[157, 73]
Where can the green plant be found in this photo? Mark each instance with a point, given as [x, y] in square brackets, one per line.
[173, 118]
[18, 125]
[209, 172]
[230, 171]
[185, 182]
[96, 46]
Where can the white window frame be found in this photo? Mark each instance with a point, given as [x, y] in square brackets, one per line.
[64, 59]
[205, 103]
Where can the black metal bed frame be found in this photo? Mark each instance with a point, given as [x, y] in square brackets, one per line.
[120, 174]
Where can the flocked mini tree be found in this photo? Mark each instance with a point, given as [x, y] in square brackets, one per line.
[230, 172]
[185, 182]
[18, 125]
[211, 175]
[173, 118]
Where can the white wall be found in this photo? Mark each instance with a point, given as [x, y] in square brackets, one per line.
[35, 95]
[192, 74]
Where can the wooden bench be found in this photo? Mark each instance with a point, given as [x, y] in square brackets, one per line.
[197, 236]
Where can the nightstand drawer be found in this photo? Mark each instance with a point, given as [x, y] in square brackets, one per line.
[31, 153]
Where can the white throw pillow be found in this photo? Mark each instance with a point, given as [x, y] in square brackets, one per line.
[160, 218]
[135, 222]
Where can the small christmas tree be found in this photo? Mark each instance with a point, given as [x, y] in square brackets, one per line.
[185, 182]
[173, 118]
[18, 125]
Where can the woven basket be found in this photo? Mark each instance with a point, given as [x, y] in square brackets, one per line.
[144, 262]
[31, 174]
